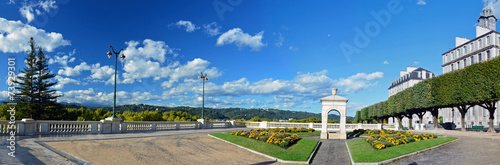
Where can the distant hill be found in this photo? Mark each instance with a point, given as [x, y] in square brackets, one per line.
[222, 113]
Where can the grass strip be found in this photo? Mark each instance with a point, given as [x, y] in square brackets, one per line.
[297, 152]
[362, 151]
[315, 133]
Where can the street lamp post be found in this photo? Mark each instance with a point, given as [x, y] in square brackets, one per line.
[203, 78]
[116, 59]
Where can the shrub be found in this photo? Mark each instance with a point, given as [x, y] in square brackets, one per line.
[381, 139]
[274, 136]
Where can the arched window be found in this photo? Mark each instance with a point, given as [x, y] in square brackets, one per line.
[465, 50]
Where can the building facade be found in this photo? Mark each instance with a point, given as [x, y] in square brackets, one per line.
[408, 78]
[485, 46]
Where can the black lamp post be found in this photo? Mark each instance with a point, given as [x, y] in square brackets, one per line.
[116, 57]
[203, 78]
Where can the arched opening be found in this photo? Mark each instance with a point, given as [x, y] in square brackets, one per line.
[333, 123]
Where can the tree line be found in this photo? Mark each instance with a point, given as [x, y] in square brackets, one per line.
[478, 84]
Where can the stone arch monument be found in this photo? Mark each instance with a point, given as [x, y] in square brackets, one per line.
[333, 103]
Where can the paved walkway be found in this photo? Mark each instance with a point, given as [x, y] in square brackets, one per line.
[473, 148]
[331, 152]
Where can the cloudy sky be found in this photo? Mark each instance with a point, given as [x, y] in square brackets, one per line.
[257, 54]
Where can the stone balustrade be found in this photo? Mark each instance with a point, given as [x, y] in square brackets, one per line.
[43, 127]
[316, 126]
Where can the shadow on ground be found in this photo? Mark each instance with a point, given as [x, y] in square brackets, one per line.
[23, 155]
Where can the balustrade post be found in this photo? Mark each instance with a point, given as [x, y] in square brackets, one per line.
[105, 126]
[311, 125]
[263, 124]
[29, 126]
[44, 128]
[93, 127]
[153, 127]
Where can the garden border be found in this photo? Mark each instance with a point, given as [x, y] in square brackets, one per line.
[271, 157]
[399, 157]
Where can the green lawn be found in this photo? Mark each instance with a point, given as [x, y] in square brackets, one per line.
[362, 151]
[297, 152]
[315, 133]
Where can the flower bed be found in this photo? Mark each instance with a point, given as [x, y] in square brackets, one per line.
[276, 136]
[380, 139]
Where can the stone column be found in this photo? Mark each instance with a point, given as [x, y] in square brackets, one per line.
[343, 134]
[324, 125]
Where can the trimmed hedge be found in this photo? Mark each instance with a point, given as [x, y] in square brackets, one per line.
[478, 84]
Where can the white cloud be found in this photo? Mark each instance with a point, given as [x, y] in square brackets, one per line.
[102, 72]
[353, 107]
[28, 7]
[4, 95]
[386, 62]
[212, 29]
[416, 62]
[14, 37]
[280, 40]
[27, 12]
[11, 2]
[148, 62]
[89, 97]
[421, 2]
[241, 39]
[357, 82]
[292, 48]
[61, 81]
[75, 71]
[63, 59]
[190, 27]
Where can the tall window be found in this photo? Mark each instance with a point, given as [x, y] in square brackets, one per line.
[487, 55]
[458, 65]
[489, 40]
[452, 56]
[465, 62]
[472, 46]
[459, 52]
[472, 60]
[465, 50]
[480, 44]
[479, 57]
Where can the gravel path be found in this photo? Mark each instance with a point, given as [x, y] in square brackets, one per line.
[175, 149]
[473, 148]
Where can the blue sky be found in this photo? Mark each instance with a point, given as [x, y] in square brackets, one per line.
[258, 54]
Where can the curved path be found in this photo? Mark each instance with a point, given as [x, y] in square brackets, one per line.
[473, 148]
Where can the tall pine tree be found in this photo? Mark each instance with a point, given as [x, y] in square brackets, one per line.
[34, 85]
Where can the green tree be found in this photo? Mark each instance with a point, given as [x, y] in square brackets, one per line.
[34, 85]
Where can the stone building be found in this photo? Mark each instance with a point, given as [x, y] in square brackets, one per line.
[485, 46]
[408, 78]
